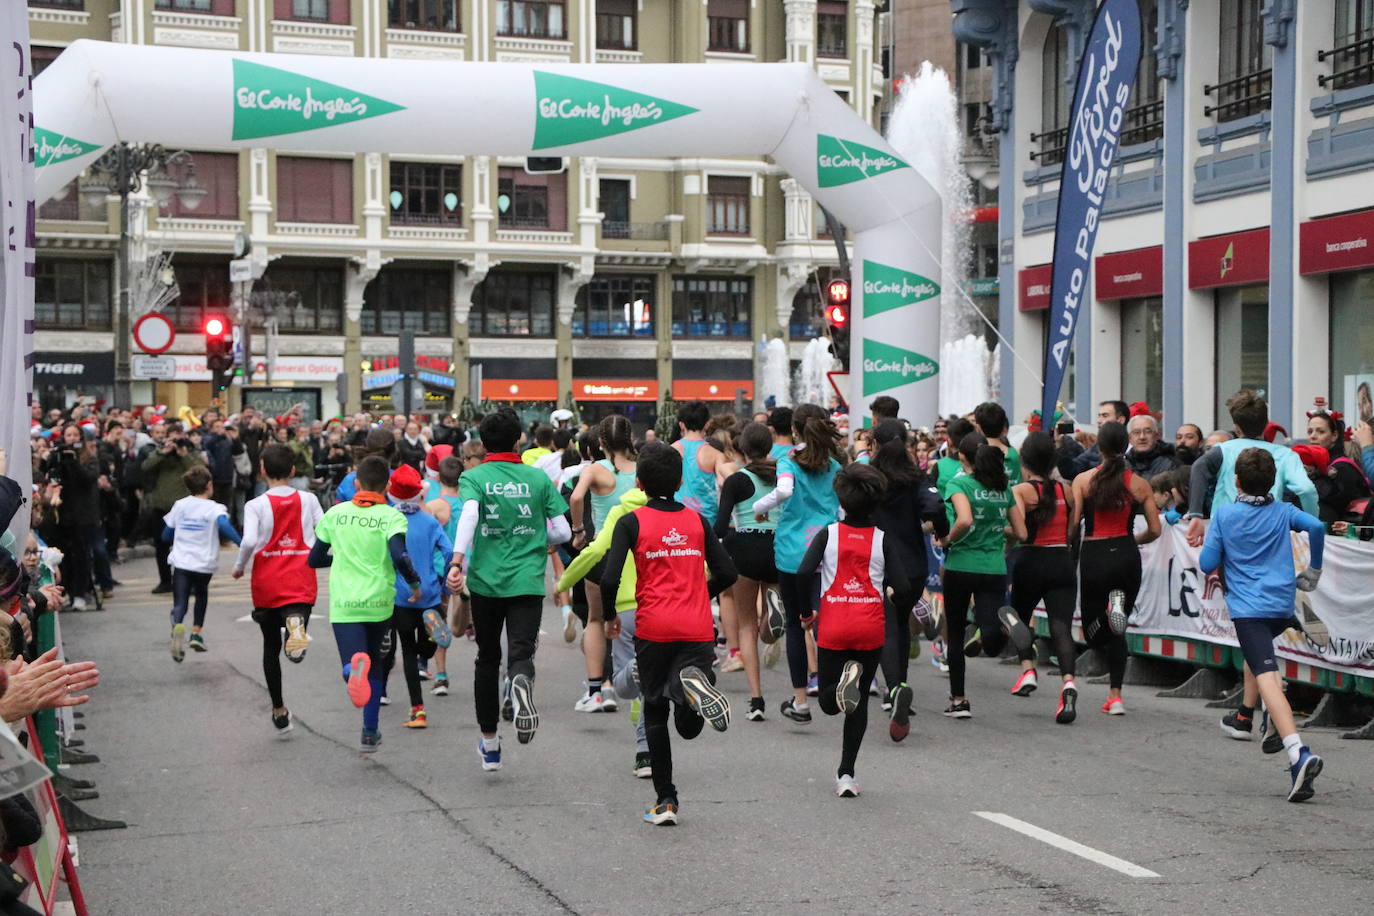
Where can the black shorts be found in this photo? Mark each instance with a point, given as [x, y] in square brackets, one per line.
[279, 614]
[1256, 636]
[660, 663]
[752, 551]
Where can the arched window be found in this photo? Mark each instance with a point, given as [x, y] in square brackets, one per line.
[1145, 112]
[1056, 74]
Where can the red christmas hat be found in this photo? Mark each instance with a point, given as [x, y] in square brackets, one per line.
[1314, 456]
[405, 483]
[436, 455]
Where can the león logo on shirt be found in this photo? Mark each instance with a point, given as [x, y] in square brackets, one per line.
[674, 539]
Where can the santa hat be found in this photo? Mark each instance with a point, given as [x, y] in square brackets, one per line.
[1273, 430]
[405, 483]
[1314, 456]
[436, 455]
[1140, 409]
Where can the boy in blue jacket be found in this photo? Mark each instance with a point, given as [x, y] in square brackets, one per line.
[1249, 541]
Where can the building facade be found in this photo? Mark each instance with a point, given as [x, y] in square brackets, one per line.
[611, 283]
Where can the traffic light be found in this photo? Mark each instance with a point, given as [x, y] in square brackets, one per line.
[219, 349]
[837, 317]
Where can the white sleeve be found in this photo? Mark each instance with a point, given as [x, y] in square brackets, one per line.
[780, 495]
[467, 527]
[249, 545]
[560, 532]
[311, 513]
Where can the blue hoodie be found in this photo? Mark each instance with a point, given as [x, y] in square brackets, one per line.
[429, 548]
[1252, 546]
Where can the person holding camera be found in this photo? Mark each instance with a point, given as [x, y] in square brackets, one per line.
[162, 487]
[76, 465]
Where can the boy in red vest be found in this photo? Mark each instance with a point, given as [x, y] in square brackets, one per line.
[673, 547]
[278, 532]
[858, 570]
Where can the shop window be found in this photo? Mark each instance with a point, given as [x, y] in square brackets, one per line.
[217, 173]
[1351, 55]
[832, 29]
[1142, 350]
[408, 300]
[615, 306]
[527, 201]
[727, 205]
[335, 11]
[614, 199]
[615, 24]
[434, 15]
[426, 194]
[203, 289]
[514, 304]
[314, 190]
[1352, 344]
[530, 18]
[727, 26]
[313, 300]
[72, 294]
[712, 306]
[1242, 345]
[1244, 77]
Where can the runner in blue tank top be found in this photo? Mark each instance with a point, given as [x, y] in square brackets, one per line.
[780, 423]
[699, 460]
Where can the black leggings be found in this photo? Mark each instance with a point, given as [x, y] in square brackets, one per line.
[519, 618]
[408, 628]
[1047, 574]
[798, 594]
[1106, 565]
[986, 591]
[831, 662]
[896, 650]
[271, 620]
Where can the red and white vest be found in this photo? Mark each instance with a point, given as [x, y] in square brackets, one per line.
[851, 611]
[281, 568]
[672, 602]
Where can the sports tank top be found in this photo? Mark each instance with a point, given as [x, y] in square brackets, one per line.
[602, 505]
[1055, 532]
[779, 449]
[672, 602]
[455, 510]
[1110, 523]
[744, 509]
[812, 507]
[698, 490]
[851, 608]
[281, 569]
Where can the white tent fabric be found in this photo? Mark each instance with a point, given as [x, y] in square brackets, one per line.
[97, 93]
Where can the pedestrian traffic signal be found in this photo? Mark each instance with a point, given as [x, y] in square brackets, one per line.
[837, 317]
[219, 344]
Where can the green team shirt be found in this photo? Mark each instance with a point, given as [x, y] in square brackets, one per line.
[362, 581]
[510, 552]
[1012, 462]
[983, 548]
[947, 469]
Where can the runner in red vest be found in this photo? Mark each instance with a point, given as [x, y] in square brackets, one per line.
[278, 532]
[673, 549]
[859, 568]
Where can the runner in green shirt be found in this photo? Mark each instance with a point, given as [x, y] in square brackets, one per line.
[949, 467]
[512, 514]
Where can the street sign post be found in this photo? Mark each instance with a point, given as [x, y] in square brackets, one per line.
[153, 367]
[241, 270]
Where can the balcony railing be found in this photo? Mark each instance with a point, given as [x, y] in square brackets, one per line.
[1053, 143]
[1143, 123]
[640, 232]
[1237, 98]
[401, 218]
[60, 4]
[1351, 65]
[524, 222]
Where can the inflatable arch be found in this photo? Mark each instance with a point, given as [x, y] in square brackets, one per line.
[97, 93]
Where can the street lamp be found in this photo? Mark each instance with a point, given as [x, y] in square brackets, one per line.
[121, 171]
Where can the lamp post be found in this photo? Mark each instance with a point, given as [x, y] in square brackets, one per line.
[121, 171]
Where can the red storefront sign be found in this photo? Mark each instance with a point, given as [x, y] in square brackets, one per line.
[519, 389]
[1131, 274]
[1333, 243]
[1238, 259]
[436, 363]
[715, 389]
[1033, 287]
[615, 389]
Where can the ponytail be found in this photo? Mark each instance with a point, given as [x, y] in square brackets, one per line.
[988, 462]
[1108, 488]
[617, 436]
[1037, 457]
[822, 441]
[891, 455]
[755, 442]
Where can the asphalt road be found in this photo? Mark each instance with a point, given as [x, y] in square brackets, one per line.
[226, 818]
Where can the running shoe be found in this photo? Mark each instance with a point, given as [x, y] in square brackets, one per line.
[470, 634]
[296, 641]
[1242, 728]
[507, 707]
[772, 654]
[937, 655]
[569, 625]
[1114, 707]
[1025, 684]
[609, 703]
[927, 618]
[1117, 611]
[372, 737]
[847, 693]
[440, 685]
[491, 759]
[887, 703]
[813, 685]
[359, 689]
[422, 669]
[958, 709]
[592, 702]
[1068, 704]
[644, 766]
[664, 814]
[755, 713]
[385, 700]
[900, 726]
[283, 724]
[873, 688]
[1020, 635]
[973, 645]
[846, 787]
[733, 663]
[1303, 773]
[775, 622]
[789, 710]
[198, 643]
[178, 641]
[704, 698]
[526, 717]
[418, 718]
[437, 628]
[1272, 743]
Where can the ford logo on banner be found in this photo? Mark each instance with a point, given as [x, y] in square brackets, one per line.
[1105, 77]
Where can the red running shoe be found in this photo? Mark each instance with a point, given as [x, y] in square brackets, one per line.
[359, 688]
[1025, 684]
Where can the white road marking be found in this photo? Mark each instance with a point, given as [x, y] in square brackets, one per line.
[1068, 845]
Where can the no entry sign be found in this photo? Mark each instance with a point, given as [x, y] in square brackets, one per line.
[153, 333]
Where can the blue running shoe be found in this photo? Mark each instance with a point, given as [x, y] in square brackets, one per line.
[491, 760]
[372, 737]
[1304, 773]
[438, 628]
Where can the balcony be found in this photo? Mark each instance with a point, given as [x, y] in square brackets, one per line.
[1241, 97]
[1351, 65]
[639, 232]
[1052, 144]
[1143, 123]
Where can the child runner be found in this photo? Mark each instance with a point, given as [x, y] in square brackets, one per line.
[860, 568]
[521, 513]
[419, 626]
[1249, 542]
[982, 513]
[699, 459]
[675, 638]
[1045, 570]
[363, 542]
[446, 508]
[806, 493]
[278, 533]
[193, 528]
[780, 425]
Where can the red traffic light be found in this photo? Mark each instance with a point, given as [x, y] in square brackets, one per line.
[215, 327]
[837, 315]
[838, 292]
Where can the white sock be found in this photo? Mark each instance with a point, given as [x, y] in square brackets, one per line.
[567, 609]
[1292, 744]
[801, 707]
[491, 744]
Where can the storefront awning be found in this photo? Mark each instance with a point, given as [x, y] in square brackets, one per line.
[712, 389]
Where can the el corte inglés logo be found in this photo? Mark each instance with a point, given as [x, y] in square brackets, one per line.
[887, 288]
[570, 110]
[269, 102]
[886, 367]
[50, 147]
[843, 162]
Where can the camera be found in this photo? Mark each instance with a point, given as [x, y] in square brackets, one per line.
[1064, 428]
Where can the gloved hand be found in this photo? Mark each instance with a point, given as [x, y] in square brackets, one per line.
[1308, 578]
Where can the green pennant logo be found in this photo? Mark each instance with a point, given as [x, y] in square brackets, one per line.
[887, 288]
[269, 102]
[570, 110]
[842, 162]
[50, 147]
[886, 366]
